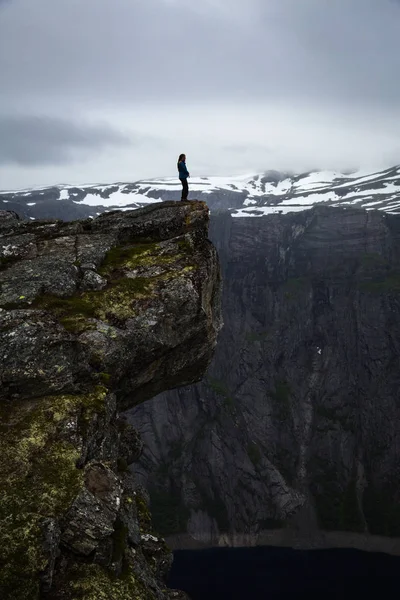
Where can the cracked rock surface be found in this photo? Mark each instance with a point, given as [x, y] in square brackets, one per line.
[96, 316]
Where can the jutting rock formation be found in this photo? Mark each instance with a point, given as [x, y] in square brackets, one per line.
[96, 316]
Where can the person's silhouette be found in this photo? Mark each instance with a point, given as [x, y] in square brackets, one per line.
[183, 176]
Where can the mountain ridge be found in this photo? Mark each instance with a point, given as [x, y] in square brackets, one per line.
[251, 195]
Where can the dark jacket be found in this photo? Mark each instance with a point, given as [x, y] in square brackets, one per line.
[183, 172]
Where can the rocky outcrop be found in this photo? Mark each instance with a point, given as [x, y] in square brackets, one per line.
[293, 435]
[96, 316]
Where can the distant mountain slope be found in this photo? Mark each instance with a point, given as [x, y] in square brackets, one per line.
[247, 195]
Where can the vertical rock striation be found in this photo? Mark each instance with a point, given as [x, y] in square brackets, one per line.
[293, 436]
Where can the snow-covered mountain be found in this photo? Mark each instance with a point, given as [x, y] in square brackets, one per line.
[247, 195]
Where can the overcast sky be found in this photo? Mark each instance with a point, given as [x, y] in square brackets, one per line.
[114, 90]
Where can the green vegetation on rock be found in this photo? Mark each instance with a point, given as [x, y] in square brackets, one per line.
[39, 480]
[185, 246]
[105, 378]
[113, 304]
[116, 303]
[131, 257]
[73, 524]
[93, 582]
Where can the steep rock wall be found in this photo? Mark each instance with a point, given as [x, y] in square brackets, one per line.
[295, 430]
[96, 316]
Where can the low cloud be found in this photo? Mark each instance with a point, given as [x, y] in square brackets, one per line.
[32, 140]
[239, 85]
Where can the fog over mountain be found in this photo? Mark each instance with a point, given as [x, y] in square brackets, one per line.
[240, 86]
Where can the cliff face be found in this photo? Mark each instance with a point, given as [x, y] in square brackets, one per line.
[96, 316]
[295, 429]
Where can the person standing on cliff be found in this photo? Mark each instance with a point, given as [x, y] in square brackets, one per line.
[183, 176]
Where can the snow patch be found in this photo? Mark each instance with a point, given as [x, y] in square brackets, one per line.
[310, 199]
[116, 199]
[64, 194]
[261, 211]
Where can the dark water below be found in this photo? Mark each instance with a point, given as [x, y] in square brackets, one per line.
[272, 573]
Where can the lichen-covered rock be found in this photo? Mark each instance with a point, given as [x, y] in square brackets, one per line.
[95, 316]
[91, 518]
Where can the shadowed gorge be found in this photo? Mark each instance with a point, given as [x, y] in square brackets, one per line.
[96, 316]
[292, 436]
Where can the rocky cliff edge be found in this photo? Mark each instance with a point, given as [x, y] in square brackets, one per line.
[96, 316]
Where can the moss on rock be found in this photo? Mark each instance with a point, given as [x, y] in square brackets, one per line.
[93, 582]
[113, 303]
[134, 274]
[131, 257]
[64, 459]
[39, 480]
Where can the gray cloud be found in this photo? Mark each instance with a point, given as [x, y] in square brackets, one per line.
[131, 50]
[291, 74]
[29, 140]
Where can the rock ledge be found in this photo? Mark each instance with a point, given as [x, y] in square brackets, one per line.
[96, 316]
